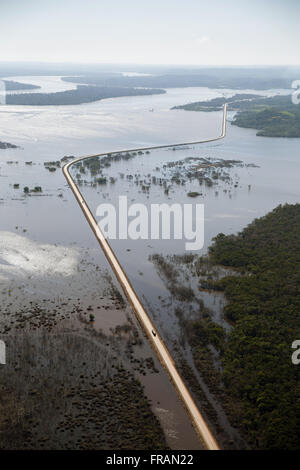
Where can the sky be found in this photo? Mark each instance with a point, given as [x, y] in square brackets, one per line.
[190, 32]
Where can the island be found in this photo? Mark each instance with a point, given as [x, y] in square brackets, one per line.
[82, 94]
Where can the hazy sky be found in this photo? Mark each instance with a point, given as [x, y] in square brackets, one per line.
[214, 32]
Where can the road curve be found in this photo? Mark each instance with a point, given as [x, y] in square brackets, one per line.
[141, 314]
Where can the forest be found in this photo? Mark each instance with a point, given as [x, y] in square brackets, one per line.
[271, 121]
[82, 94]
[216, 104]
[263, 306]
[205, 77]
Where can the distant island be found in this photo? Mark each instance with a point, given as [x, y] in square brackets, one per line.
[82, 94]
[272, 117]
[11, 85]
[6, 145]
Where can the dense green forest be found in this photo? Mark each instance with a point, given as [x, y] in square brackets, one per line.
[273, 117]
[264, 308]
[82, 94]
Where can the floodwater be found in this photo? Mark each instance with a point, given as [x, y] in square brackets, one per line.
[53, 218]
[270, 179]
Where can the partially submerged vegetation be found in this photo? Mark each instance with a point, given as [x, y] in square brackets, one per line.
[264, 307]
[205, 171]
[195, 348]
[58, 393]
[36, 189]
[248, 366]
[273, 117]
[73, 383]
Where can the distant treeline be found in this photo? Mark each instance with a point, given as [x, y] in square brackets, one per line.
[83, 94]
[11, 85]
[205, 78]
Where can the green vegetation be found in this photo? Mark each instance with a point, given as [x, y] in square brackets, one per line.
[245, 361]
[82, 94]
[78, 389]
[101, 180]
[76, 404]
[37, 189]
[54, 163]
[216, 104]
[172, 275]
[271, 122]
[264, 306]
[52, 166]
[273, 117]
[209, 172]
